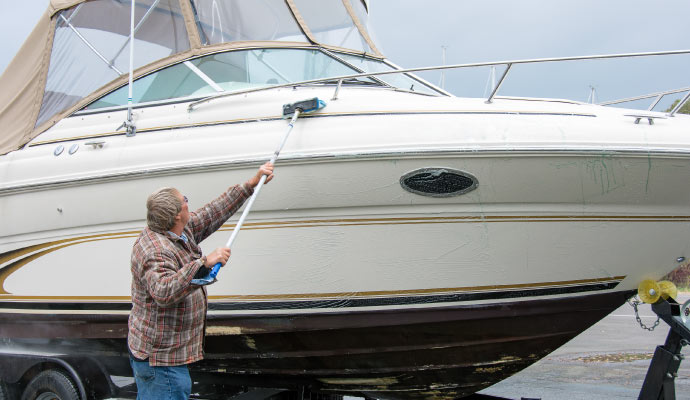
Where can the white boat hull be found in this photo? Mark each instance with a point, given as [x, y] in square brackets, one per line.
[552, 227]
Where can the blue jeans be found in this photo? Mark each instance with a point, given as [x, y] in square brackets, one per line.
[161, 383]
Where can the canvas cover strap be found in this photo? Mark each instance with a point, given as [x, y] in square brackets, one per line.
[302, 23]
[190, 23]
[360, 27]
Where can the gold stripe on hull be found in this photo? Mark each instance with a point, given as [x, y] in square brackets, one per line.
[328, 296]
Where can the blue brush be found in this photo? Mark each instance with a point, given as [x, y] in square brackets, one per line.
[294, 110]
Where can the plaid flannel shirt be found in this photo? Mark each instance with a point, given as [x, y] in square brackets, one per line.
[168, 317]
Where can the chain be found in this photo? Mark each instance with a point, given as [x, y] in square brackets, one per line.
[634, 304]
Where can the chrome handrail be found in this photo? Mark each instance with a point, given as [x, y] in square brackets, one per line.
[679, 105]
[657, 96]
[442, 67]
[500, 83]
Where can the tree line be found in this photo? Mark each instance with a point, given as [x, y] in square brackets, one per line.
[683, 110]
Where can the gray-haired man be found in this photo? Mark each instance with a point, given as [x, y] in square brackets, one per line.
[167, 321]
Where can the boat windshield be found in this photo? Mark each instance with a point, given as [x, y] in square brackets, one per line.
[246, 69]
[400, 81]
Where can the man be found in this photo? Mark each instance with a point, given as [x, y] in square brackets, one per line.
[168, 317]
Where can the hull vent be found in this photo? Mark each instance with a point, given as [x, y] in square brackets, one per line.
[438, 182]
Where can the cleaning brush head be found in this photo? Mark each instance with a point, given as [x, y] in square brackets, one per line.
[304, 106]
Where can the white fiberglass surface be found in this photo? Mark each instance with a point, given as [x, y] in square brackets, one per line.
[331, 24]
[91, 46]
[239, 20]
[109, 277]
[234, 70]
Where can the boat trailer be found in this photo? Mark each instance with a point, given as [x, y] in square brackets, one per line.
[659, 384]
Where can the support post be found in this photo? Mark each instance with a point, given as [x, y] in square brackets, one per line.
[498, 86]
[659, 384]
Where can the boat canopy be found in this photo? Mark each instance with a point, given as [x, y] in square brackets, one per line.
[79, 50]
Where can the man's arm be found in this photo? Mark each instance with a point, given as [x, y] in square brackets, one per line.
[166, 285]
[206, 220]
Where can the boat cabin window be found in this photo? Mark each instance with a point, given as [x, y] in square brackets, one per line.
[240, 20]
[91, 46]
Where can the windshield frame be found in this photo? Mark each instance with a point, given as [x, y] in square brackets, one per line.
[376, 82]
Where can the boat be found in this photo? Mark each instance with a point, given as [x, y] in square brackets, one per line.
[413, 244]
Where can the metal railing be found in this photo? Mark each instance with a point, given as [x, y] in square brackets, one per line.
[657, 98]
[679, 105]
[509, 64]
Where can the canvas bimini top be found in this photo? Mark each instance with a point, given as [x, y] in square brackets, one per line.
[79, 50]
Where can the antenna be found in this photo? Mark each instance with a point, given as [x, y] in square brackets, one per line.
[491, 82]
[592, 95]
[129, 124]
[443, 71]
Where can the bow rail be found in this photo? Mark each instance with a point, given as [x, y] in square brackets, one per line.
[508, 63]
[657, 98]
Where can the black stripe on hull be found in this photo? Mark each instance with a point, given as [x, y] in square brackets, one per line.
[321, 304]
[411, 300]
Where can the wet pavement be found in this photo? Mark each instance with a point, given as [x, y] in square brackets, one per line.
[607, 361]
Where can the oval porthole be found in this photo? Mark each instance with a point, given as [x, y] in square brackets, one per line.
[438, 182]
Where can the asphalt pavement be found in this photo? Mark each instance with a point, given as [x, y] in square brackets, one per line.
[607, 361]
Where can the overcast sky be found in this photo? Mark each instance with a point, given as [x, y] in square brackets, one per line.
[412, 32]
[20, 17]
[493, 30]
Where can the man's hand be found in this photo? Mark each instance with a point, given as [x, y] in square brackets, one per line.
[266, 169]
[219, 255]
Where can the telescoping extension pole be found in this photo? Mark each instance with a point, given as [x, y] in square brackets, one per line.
[294, 109]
